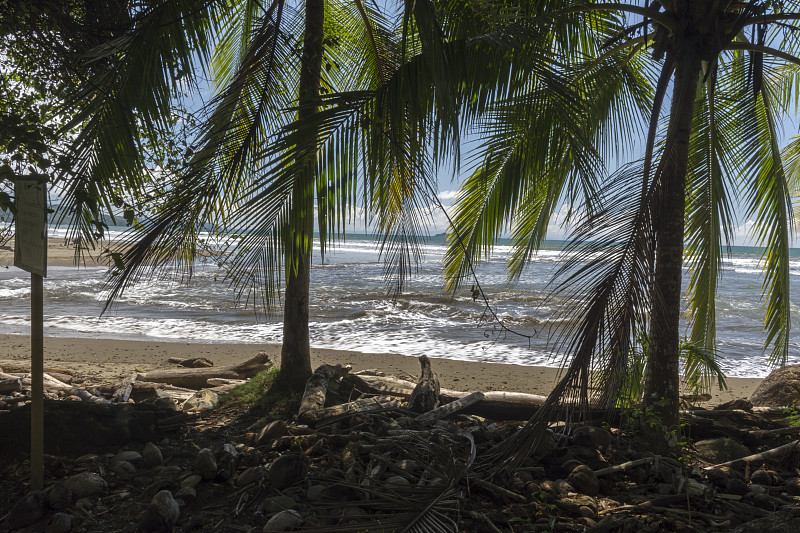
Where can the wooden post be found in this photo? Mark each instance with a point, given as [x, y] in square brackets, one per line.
[37, 383]
[30, 253]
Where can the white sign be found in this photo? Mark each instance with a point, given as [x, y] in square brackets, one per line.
[30, 238]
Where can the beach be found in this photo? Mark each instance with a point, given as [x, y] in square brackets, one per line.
[110, 361]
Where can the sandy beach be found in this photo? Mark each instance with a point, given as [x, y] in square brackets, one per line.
[109, 361]
[59, 253]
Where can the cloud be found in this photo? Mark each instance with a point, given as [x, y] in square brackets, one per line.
[448, 195]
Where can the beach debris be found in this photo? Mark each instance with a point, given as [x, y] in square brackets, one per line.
[287, 470]
[270, 432]
[780, 388]
[194, 362]
[450, 408]
[202, 400]
[426, 394]
[197, 378]
[721, 449]
[123, 392]
[317, 387]
[283, 521]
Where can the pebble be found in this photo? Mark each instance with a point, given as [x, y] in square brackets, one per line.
[27, 510]
[123, 469]
[58, 495]
[270, 432]
[396, 482]
[129, 456]
[151, 454]
[251, 475]
[584, 480]
[315, 493]
[202, 400]
[283, 521]
[86, 484]
[287, 470]
[206, 464]
[191, 481]
[59, 523]
[186, 493]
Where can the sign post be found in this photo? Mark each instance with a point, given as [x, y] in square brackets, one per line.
[30, 253]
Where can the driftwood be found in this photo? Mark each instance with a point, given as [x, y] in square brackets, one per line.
[194, 362]
[768, 454]
[197, 378]
[624, 466]
[10, 385]
[426, 394]
[123, 392]
[50, 383]
[87, 396]
[317, 389]
[499, 405]
[450, 408]
[361, 405]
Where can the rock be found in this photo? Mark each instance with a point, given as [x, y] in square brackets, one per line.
[58, 496]
[397, 482]
[283, 521]
[287, 470]
[270, 432]
[756, 490]
[780, 388]
[315, 493]
[27, 510]
[166, 506]
[129, 456]
[592, 437]
[584, 480]
[59, 523]
[123, 469]
[186, 494]
[226, 463]
[721, 450]
[191, 481]
[86, 484]
[151, 454]
[202, 400]
[761, 477]
[206, 464]
[251, 475]
[793, 486]
[276, 504]
[694, 489]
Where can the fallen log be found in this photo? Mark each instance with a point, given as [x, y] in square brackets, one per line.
[317, 388]
[450, 408]
[87, 396]
[194, 362]
[499, 405]
[361, 405]
[50, 383]
[768, 454]
[197, 378]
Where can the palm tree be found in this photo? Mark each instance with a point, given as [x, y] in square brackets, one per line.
[298, 123]
[729, 68]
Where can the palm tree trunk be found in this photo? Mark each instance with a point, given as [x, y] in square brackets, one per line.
[296, 350]
[662, 380]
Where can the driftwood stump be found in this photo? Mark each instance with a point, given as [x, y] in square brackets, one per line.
[317, 388]
[426, 394]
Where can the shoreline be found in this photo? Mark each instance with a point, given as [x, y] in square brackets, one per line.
[111, 360]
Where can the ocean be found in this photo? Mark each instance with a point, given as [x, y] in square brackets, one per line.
[351, 309]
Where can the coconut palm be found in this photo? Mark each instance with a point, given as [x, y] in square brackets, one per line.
[730, 69]
[303, 129]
